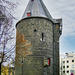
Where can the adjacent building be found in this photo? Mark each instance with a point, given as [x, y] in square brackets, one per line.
[43, 32]
[68, 64]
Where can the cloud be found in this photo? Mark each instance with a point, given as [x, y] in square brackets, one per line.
[66, 10]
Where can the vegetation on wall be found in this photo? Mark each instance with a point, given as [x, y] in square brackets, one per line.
[22, 47]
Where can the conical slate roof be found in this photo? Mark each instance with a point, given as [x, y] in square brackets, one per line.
[37, 8]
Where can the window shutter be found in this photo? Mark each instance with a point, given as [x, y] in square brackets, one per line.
[28, 14]
[48, 61]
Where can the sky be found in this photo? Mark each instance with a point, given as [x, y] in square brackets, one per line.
[64, 9]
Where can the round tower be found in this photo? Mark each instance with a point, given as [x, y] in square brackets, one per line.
[37, 27]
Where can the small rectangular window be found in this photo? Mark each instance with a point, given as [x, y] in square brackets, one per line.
[29, 14]
[47, 62]
[63, 71]
[67, 61]
[72, 60]
[63, 66]
[67, 66]
[35, 30]
[67, 71]
[73, 66]
[63, 61]
[71, 71]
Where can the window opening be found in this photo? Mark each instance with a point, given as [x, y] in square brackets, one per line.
[67, 71]
[67, 61]
[63, 66]
[35, 30]
[63, 71]
[67, 66]
[29, 13]
[73, 66]
[42, 36]
[48, 61]
[72, 60]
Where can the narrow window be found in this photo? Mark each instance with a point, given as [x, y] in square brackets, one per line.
[42, 36]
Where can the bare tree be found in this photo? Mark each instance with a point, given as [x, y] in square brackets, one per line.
[7, 47]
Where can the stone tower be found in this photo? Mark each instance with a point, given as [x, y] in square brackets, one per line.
[43, 32]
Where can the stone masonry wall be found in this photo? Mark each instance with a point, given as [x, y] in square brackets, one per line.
[56, 48]
[38, 31]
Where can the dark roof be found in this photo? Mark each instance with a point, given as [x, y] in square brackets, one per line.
[37, 8]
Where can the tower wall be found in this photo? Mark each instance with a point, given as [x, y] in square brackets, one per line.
[57, 33]
[39, 32]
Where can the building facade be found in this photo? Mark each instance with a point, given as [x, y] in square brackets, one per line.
[43, 32]
[68, 64]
